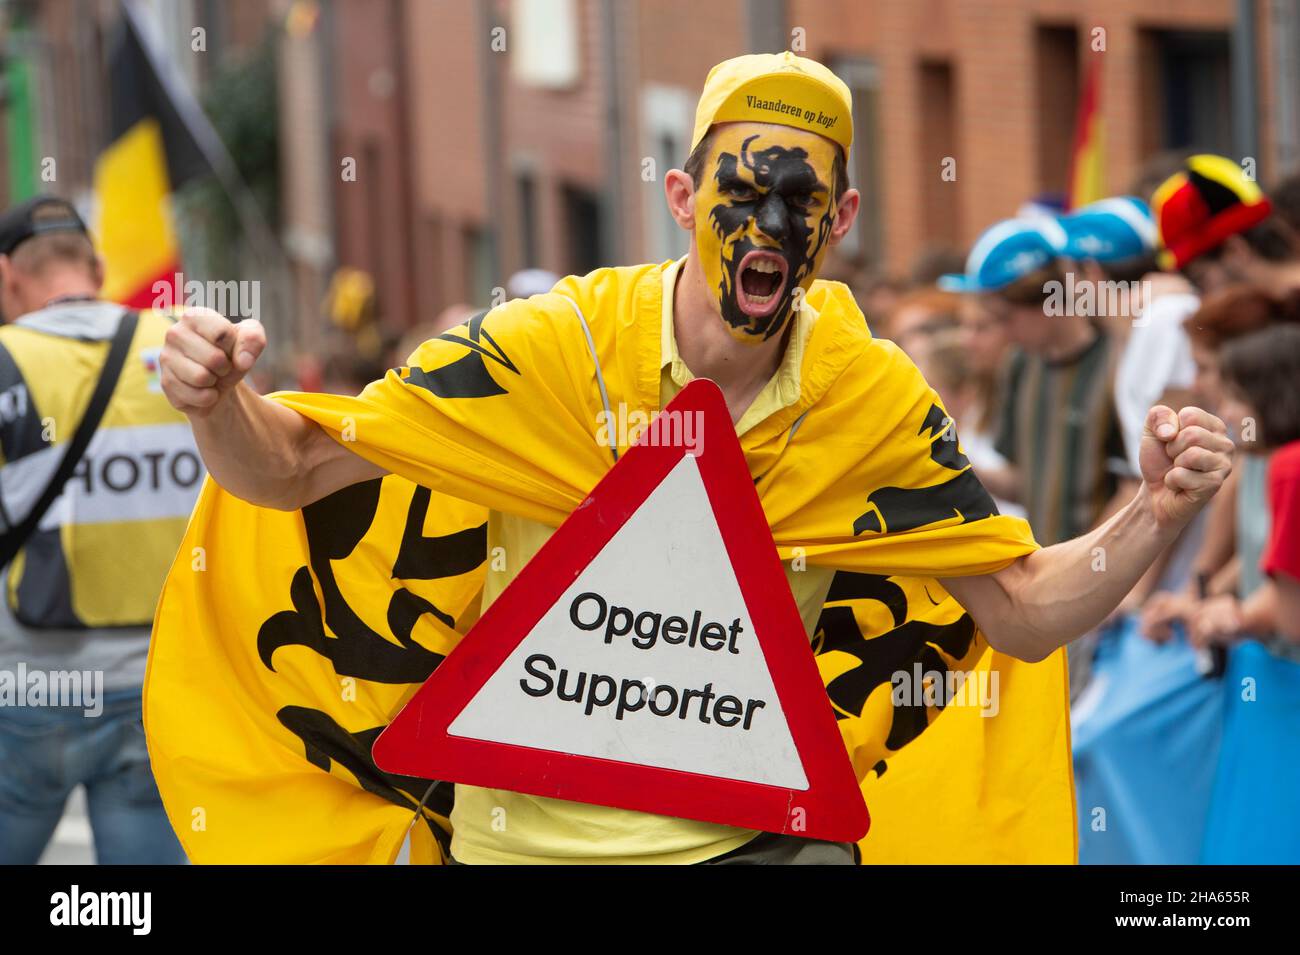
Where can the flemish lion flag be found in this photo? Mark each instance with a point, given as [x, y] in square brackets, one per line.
[285, 641]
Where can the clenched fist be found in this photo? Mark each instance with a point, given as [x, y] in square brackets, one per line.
[205, 356]
[1185, 458]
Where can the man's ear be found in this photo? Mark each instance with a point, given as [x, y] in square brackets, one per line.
[679, 190]
[845, 214]
[10, 277]
[6, 288]
[97, 273]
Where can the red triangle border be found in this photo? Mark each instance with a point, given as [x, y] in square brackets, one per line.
[417, 742]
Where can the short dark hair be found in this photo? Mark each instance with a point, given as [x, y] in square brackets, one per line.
[1264, 367]
[1130, 269]
[694, 166]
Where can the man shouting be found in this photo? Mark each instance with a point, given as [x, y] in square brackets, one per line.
[852, 455]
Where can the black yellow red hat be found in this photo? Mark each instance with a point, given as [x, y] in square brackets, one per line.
[1202, 205]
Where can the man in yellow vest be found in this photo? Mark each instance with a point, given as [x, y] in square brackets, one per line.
[97, 478]
[493, 413]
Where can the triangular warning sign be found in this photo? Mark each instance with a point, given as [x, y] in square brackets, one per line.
[649, 657]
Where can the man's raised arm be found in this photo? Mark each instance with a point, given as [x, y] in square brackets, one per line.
[1053, 596]
[255, 448]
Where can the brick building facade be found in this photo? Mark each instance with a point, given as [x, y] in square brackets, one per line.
[565, 172]
[486, 136]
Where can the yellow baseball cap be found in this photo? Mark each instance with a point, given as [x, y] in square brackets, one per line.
[776, 88]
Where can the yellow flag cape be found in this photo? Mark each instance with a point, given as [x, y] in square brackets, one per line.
[285, 641]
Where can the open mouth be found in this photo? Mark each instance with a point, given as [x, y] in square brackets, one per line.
[761, 280]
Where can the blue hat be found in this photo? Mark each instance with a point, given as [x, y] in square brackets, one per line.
[1111, 230]
[1008, 251]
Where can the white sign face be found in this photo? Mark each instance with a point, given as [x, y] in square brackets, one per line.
[650, 657]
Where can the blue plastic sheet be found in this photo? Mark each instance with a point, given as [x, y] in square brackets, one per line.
[1146, 738]
[1173, 768]
[1254, 814]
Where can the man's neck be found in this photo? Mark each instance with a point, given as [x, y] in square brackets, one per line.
[740, 369]
[61, 285]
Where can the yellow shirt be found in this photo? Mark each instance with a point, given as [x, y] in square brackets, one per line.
[495, 826]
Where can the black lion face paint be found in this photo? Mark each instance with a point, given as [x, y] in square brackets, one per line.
[763, 218]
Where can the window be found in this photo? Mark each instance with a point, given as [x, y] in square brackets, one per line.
[667, 116]
[430, 269]
[543, 43]
[940, 210]
[1057, 72]
[865, 243]
[527, 219]
[1187, 91]
[582, 229]
[478, 264]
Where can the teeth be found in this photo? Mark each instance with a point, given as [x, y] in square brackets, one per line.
[764, 266]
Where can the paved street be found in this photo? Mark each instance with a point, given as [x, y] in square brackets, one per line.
[72, 844]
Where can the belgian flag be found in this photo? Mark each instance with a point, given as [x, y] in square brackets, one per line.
[150, 153]
[1088, 158]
